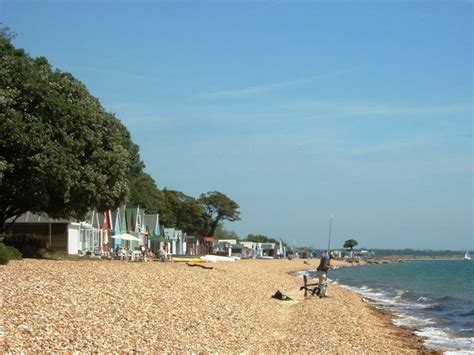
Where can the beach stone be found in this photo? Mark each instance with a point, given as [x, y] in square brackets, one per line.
[116, 306]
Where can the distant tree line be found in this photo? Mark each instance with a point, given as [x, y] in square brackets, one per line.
[222, 233]
[415, 252]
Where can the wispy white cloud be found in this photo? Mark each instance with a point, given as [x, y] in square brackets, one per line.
[352, 108]
[263, 88]
[361, 109]
[363, 150]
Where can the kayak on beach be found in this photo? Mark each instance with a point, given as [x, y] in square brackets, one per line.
[188, 260]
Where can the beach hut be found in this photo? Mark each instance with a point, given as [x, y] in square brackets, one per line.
[170, 240]
[105, 220]
[135, 223]
[192, 245]
[56, 234]
[207, 245]
[180, 242]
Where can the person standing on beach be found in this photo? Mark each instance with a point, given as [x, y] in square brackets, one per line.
[323, 267]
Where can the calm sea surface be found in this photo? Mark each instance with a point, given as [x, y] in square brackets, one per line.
[434, 296]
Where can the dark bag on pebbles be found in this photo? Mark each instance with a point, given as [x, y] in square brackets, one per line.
[280, 296]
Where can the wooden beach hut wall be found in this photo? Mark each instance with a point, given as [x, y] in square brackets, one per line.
[183, 243]
[180, 242]
[207, 246]
[140, 223]
[170, 240]
[91, 233]
[266, 249]
[64, 235]
[250, 248]
[124, 221]
[192, 245]
[105, 220]
[135, 225]
[152, 228]
[117, 229]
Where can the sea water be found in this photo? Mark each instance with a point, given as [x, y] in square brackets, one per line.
[436, 297]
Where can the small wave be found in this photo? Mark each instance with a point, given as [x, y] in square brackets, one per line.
[412, 321]
[399, 294]
[440, 339]
[424, 299]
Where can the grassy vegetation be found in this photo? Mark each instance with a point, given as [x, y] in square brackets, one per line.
[8, 253]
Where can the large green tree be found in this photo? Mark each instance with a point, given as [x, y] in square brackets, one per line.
[60, 151]
[218, 207]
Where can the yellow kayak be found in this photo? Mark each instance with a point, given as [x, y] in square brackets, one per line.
[189, 260]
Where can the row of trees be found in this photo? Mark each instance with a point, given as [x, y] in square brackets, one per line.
[62, 153]
[222, 233]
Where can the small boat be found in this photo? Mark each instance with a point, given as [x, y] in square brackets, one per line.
[188, 260]
[215, 258]
[467, 256]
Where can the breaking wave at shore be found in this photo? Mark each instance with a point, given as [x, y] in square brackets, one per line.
[441, 311]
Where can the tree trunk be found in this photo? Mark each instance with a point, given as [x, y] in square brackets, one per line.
[213, 227]
[7, 215]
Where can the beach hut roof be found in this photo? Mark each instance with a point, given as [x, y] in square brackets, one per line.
[30, 217]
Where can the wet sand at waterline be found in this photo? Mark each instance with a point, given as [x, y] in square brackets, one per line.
[117, 306]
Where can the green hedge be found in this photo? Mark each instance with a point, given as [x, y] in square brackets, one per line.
[8, 253]
[28, 246]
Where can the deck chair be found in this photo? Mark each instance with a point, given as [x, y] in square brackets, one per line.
[313, 289]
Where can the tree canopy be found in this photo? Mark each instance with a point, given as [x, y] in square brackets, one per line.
[350, 244]
[60, 151]
[144, 193]
[218, 207]
[222, 233]
[188, 214]
[259, 238]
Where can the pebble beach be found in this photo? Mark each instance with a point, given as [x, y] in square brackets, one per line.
[155, 307]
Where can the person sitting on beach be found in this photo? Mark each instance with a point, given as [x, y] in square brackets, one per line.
[323, 267]
[143, 251]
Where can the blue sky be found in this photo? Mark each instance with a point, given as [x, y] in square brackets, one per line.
[294, 109]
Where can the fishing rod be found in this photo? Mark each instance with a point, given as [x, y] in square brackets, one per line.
[330, 229]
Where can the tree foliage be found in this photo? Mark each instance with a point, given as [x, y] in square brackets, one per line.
[218, 207]
[259, 238]
[6, 32]
[144, 193]
[222, 233]
[350, 244]
[189, 215]
[60, 151]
